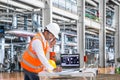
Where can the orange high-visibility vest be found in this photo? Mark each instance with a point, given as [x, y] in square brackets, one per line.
[29, 60]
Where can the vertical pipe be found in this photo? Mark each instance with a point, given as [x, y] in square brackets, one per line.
[25, 23]
[62, 43]
[102, 33]
[14, 21]
[12, 51]
[117, 33]
[2, 50]
[48, 12]
[39, 23]
[34, 21]
[81, 30]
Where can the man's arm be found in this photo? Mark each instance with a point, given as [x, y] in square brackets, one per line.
[38, 48]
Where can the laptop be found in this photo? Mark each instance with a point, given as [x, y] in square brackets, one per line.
[70, 61]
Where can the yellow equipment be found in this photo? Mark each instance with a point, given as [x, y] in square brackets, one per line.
[52, 63]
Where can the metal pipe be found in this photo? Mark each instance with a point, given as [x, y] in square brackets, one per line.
[36, 3]
[14, 22]
[39, 20]
[13, 3]
[34, 20]
[25, 23]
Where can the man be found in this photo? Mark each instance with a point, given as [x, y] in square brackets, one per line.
[33, 59]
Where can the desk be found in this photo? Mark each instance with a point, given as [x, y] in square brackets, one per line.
[108, 77]
[108, 70]
[69, 74]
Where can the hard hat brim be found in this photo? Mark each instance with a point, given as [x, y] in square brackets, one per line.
[56, 36]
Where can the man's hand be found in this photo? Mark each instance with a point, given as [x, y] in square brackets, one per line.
[52, 43]
[58, 69]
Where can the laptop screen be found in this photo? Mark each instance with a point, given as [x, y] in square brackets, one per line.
[70, 60]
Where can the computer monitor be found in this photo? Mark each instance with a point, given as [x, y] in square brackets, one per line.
[70, 61]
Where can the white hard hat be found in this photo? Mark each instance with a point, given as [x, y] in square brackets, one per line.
[54, 29]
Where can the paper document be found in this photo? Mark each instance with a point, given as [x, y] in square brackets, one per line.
[86, 73]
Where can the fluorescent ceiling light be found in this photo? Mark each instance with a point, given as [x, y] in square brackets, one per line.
[60, 18]
[10, 2]
[7, 7]
[96, 1]
[115, 2]
[36, 3]
[91, 2]
[8, 21]
[21, 32]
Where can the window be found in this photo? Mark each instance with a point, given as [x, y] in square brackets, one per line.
[62, 4]
[68, 5]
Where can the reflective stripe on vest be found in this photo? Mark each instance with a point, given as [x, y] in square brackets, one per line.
[31, 54]
[30, 65]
